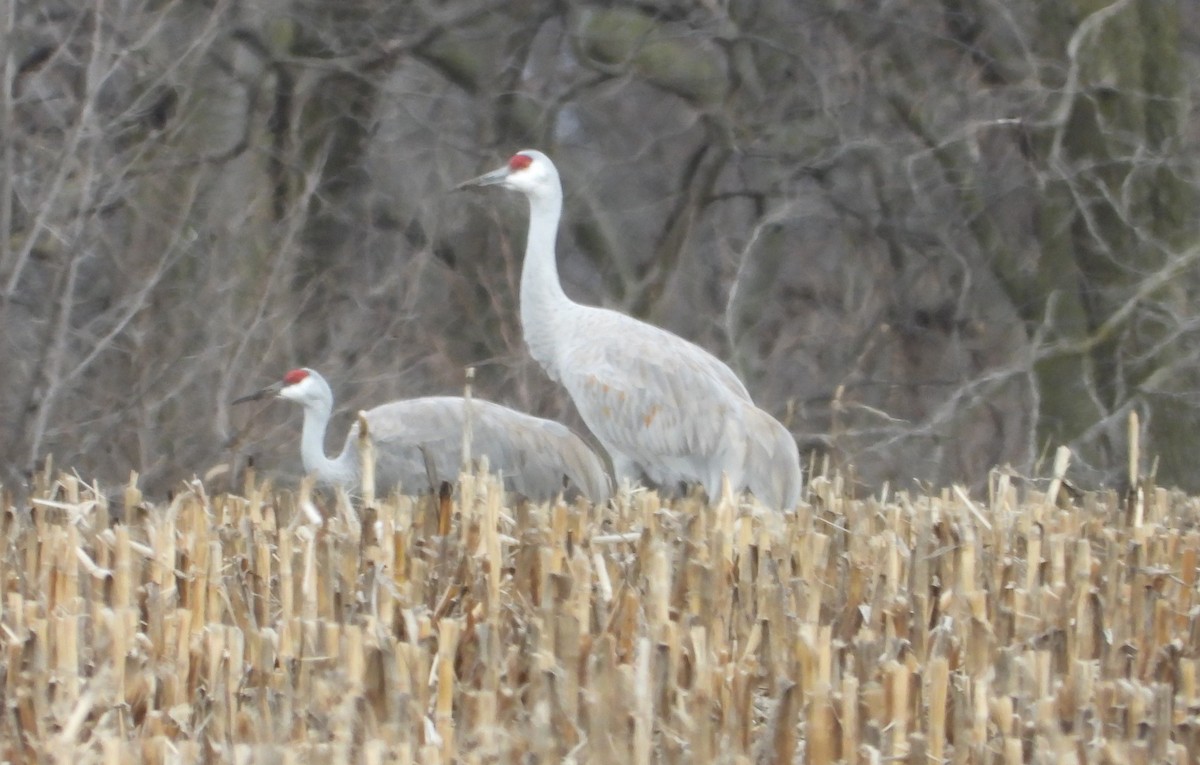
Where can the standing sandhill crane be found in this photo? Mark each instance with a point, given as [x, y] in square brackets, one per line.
[410, 437]
[657, 402]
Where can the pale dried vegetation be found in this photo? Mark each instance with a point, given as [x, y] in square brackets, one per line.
[286, 626]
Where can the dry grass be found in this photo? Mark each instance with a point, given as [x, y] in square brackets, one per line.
[916, 629]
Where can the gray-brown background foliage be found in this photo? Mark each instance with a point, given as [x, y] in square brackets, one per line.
[932, 236]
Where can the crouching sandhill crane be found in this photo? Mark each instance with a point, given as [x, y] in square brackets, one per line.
[412, 437]
[657, 402]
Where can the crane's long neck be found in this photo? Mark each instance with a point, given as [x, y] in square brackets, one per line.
[543, 302]
[341, 470]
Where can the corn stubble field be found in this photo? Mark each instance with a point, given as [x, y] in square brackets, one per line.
[304, 627]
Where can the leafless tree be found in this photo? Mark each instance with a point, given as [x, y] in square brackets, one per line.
[933, 237]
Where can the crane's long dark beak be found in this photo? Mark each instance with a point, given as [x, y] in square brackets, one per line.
[271, 391]
[487, 179]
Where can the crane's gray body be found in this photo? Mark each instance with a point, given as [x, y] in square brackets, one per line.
[664, 406]
[659, 405]
[420, 440]
[418, 443]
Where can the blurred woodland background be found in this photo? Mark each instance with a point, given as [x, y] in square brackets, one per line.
[933, 237]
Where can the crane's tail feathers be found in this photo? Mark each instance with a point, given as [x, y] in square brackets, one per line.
[772, 467]
[590, 477]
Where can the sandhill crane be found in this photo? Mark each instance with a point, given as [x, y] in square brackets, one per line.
[658, 403]
[413, 436]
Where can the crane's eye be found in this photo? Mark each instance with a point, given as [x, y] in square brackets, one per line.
[294, 376]
[519, 162]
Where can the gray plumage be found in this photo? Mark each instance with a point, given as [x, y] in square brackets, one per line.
[418, 437]
[658, 403]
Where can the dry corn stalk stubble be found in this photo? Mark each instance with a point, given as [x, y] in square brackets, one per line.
[912, 629]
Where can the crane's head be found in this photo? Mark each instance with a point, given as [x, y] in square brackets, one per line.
[303, 386]
[528, 171]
